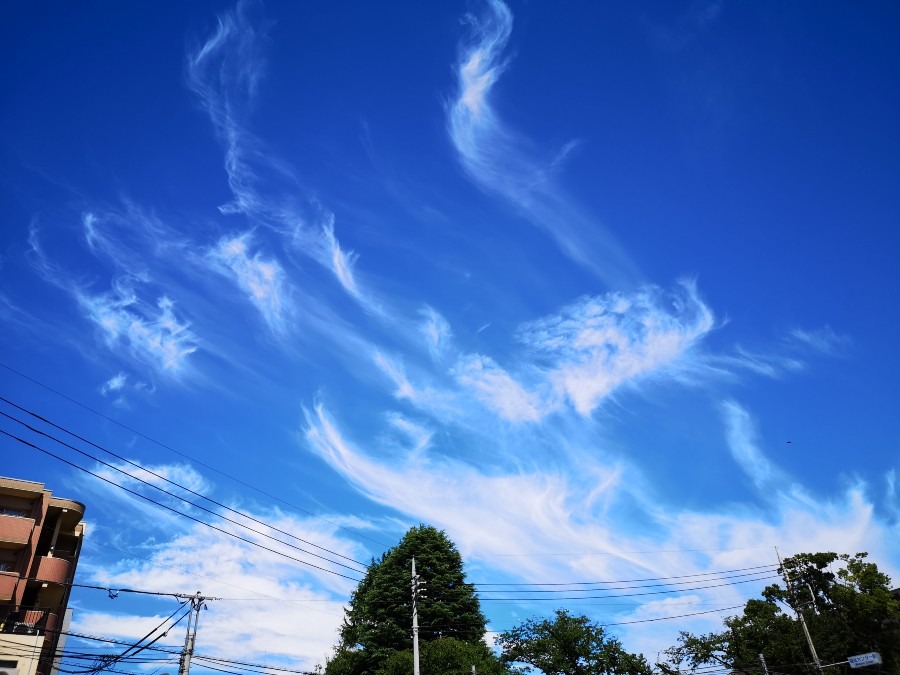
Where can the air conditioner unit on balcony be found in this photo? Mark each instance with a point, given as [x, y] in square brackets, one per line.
[9, 671]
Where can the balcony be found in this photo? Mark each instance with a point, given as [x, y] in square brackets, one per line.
[15, 531]
[53, 570]
[7, 585]
[28, 621]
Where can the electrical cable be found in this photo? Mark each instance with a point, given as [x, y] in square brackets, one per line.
[188, 457]
[176, 484]
[628, 581]
[624, 595]
[138, 647]
[169, 508]
[170, 494]
[619, 588]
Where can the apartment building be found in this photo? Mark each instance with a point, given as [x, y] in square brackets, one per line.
[40, 540]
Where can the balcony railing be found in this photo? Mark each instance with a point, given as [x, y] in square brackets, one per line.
[53, 570]
[27, 621]
[7, 585]
[15, 530]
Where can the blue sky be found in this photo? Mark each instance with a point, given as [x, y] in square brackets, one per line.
[607, 292]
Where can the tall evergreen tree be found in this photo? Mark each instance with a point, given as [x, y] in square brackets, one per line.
[378, 620]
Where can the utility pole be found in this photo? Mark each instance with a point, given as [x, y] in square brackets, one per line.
[197, 602]
[417, 587]
[799, 613]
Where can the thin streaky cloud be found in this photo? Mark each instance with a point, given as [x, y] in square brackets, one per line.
[823, 340]
[262, 280]
[437, 333]
[498, 390]
[501, 161]
[743, 441]
[224, 73]
[150, 332]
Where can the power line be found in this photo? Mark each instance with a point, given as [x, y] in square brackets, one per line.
[262, 597]
[171, 482]
[618, 553]
[623, 595]
[592, 584]
[170, 651]
[186, 456]
[170, 494]
[174, 510]
[628, 581]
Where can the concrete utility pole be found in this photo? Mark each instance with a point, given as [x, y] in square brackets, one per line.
[197, 602]
[790, 586]
[417, 587]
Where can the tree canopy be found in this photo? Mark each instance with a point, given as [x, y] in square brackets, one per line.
[846, 602]
[567, 645]
[446, 656]
[378, 620]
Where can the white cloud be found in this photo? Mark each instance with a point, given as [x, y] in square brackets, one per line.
[153, 335]
[494, 387]
[437, 333]
[743, 442]
[113, 384]
[823, 340]
[264, 281]
[601, 343]
[503, 162]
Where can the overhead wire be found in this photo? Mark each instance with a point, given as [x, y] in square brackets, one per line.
[623, 595]
[172, 482]
[596, 585]
[160, 444]
[174, 510]
[628, 581]
[175, 496]
[138, 647]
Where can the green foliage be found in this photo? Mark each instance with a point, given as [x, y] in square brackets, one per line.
[846, 602]
[567, 645]
[446, 656]
[378, 620]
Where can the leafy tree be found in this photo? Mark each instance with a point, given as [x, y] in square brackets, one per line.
[846, 602]
[567, 645]
[378, 620]
[446, 656]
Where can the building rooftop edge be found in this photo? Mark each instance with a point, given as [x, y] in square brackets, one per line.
[40, 486]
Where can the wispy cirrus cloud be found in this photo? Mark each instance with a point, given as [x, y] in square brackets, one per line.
[437, 333]
[263, 280]
[601, 343]
[503, 162]
[497, 389]
[224, 73]
[743, 441]
[823, 340]
[151, 332]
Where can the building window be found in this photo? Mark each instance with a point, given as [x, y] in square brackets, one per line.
[6, 566]
[10, 511]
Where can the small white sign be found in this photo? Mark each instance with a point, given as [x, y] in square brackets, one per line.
[870, 659]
